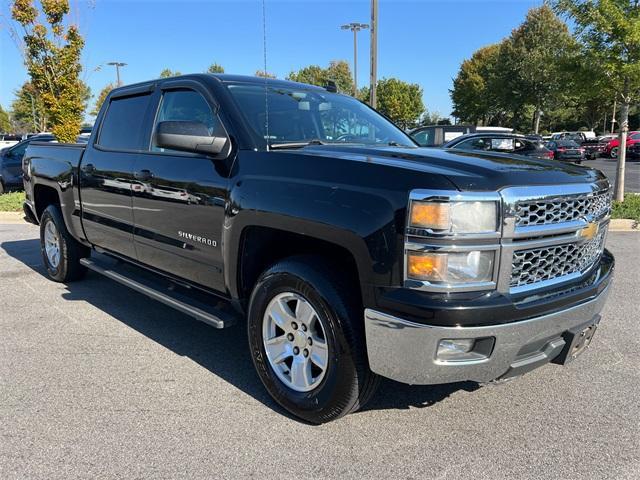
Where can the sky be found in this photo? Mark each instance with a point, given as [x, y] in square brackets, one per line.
[419, 41]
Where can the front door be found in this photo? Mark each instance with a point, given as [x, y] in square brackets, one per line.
[179, 199]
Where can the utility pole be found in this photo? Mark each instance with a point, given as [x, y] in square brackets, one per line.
[355, 28]
[373, 75]
[118, 65]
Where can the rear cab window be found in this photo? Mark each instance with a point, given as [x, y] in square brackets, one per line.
[123, 126]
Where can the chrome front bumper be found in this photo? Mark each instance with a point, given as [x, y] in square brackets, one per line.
[406, 351]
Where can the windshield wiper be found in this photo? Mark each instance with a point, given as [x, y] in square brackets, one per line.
[393, 143]
[315, 141]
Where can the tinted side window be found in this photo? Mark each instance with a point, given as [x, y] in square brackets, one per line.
[123, 124]
[635, 136]
[186, 105]
[473, 144]
[424, 137]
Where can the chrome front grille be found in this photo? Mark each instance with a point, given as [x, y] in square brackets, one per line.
[562, 209]
[536, 265]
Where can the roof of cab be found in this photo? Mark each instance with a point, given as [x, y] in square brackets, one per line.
[224, 78]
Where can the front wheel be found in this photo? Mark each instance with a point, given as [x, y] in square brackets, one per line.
[307, 341]
[61, 253]
[614, 152]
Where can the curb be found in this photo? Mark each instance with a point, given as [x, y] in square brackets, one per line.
[11, 217]
[623, 225]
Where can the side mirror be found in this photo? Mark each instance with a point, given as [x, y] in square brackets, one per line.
[186, 136]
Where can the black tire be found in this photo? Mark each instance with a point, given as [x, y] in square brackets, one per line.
[71, 251]
[614, 152]
[348, 382]
[1, 187]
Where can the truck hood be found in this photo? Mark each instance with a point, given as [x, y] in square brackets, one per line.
[467, 170]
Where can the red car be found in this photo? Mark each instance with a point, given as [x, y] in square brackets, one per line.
[611, 149]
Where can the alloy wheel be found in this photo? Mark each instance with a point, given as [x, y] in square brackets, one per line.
[52, 244]
[295, 342]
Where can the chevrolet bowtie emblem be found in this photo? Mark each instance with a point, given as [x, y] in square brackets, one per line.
[590, 231]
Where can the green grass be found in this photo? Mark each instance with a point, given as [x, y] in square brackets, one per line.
[630, 208]
[11, 202]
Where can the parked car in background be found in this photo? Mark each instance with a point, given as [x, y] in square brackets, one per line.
[567, 150]
[634, 152]
[611, 150]
[593, 147]
[575, 136]
[437, 135]
[500, 142]
[7, 140]
[608, 137]
[11, 163]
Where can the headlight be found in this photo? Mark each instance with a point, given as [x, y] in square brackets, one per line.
[451, 267]
[455, 217]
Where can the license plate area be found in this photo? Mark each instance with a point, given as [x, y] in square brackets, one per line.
[577, 341]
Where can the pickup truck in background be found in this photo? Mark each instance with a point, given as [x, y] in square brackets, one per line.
[347, 251]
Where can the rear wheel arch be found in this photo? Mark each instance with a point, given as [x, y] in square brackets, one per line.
[43, 196]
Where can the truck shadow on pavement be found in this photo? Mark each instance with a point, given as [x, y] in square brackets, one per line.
[225, 353]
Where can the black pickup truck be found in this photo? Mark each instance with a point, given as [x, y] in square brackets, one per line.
[348, 251]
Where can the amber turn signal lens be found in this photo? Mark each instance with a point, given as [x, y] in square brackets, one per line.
[430, 266]
[430, 215]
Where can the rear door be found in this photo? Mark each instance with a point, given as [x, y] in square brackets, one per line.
[179, 202]
[106, 171]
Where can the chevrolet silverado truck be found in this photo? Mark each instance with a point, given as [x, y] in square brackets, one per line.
[349, 252]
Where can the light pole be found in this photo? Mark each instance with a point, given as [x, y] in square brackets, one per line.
[373, 72]
[355, 28]
[117, 65]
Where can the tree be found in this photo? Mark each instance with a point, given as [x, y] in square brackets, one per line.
[534, 56]
[52, 57]
[28, 111]
[166, 73]
[5, 123]
[472, 97]
[338, 71]
[215, 68]
[610, 32]
[101, 98]
[400, 101]
[432, 118]
[263, 74]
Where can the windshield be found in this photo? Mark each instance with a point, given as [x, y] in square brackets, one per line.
[301, 116]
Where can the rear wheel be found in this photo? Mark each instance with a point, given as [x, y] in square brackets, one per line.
[61, 253]
[307, 340]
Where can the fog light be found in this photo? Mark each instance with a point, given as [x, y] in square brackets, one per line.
[464, 349]
[455, 349]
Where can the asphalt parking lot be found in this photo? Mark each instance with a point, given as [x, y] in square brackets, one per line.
[608, 167]
[97, 381]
